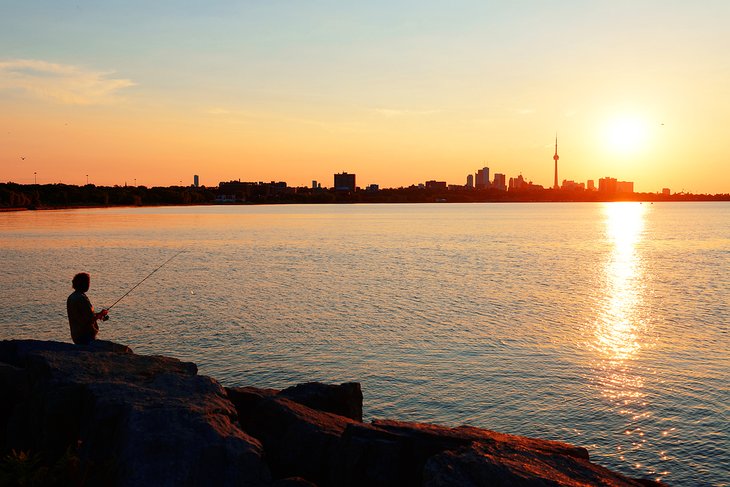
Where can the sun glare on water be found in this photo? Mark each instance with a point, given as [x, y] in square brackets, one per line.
[619, 329]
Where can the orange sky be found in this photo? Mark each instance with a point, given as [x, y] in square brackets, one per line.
[397, 93]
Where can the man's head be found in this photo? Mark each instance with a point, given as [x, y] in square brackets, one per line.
[81, 282]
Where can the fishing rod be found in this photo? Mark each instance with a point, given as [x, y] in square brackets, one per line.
[143, 280]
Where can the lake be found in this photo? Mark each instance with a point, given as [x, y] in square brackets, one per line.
[604, 325]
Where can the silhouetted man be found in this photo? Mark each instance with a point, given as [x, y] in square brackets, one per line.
[81, 316]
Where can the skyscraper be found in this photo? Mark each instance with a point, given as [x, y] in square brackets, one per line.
[607, 185]
[482, 179]
[555, 158]
[499, 182]
[469, 181]
[196, 180]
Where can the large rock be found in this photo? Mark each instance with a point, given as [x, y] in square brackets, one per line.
[298, 441]
[245, 399]
[395, 453]
[131, 419]
[147, 420]
[332, 450]
[510, 465]
[343, 400]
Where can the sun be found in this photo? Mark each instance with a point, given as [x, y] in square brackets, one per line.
[626, 134]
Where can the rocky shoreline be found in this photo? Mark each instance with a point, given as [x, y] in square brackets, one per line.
[102, 415]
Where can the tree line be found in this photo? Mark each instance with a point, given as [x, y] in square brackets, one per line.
[14, 195]
[37, 196]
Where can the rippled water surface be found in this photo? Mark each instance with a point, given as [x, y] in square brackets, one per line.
[603, 325]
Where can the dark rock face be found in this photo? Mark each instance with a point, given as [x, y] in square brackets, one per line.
[332, 450]
[343, 400]
[395, 452]
[149, 420]
[245, 399]
[298, 441]
[514, 465]
[134, 420]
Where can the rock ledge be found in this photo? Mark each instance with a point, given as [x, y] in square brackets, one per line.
[102, 415]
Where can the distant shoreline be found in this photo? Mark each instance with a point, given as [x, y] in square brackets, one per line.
[17, 197]
[287, 203]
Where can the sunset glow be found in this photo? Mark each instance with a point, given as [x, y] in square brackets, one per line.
[627, 135]
[397, 94]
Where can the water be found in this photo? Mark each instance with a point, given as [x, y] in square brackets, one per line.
[603, 325]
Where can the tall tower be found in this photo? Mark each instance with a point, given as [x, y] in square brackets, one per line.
[555, 158]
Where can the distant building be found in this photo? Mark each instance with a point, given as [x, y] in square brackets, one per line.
[344, 182]
[607, 185]
[373, 188]
[500, 182]
[252, 191]
[482, 178]
[516, 184]
[590, 185]
[196, 181]
[572, 186]
[314, 184]
[555, 158]
[436, 185]
[470, 181]
[519, 184]
[666, 192]
[624, 187]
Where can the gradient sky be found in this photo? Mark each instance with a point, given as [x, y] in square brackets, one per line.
[398, 92]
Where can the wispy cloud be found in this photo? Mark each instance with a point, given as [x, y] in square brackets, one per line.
[397, 112]
[61, 83]
[218, 111]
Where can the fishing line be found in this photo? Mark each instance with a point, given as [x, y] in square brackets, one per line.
[143, 280]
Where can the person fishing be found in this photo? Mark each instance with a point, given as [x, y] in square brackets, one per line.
[82, 318]
[81, 315]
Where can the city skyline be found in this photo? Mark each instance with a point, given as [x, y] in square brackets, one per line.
[397, 94]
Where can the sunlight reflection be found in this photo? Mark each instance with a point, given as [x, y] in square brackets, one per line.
[618, 326]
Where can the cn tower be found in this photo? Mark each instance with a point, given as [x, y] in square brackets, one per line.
[555, 158]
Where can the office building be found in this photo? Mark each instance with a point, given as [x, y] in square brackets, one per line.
[470, 181]
[482, 178]
[344, 182]
[196, 181]
[572, 186]
[607, 185]
[516, 184]
[500, 182]
[625, 187]
[436, 184]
